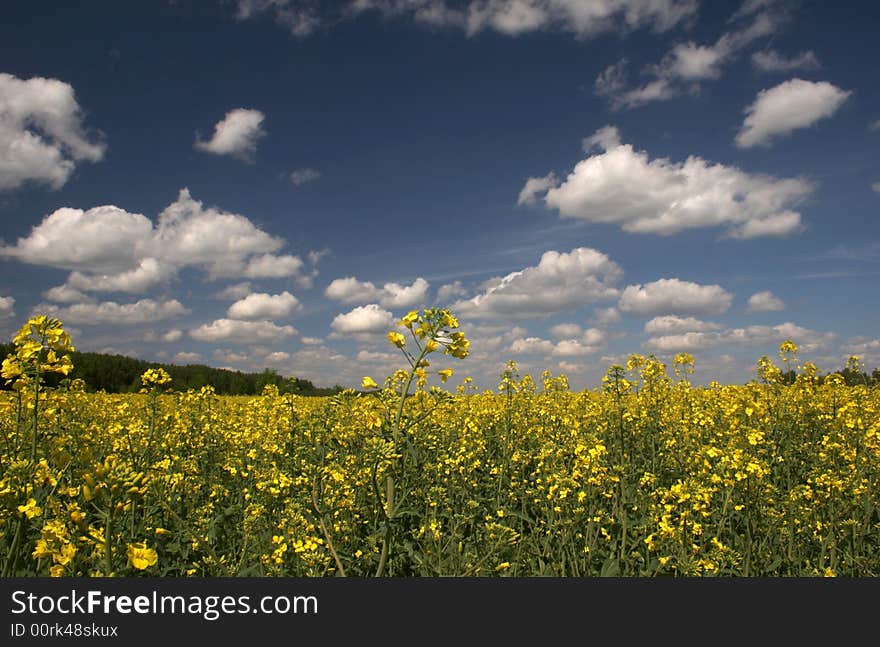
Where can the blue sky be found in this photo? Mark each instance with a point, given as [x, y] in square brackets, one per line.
[273, 183]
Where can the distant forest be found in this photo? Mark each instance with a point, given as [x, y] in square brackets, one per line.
[121, 374]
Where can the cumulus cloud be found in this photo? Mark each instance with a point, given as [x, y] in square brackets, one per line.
[148, 273]
[531, 346]
[772, 61]
[111, 312]
[687, 64]
[789, 106]
[173, 335]
[580, 343]
[66, 294]
[863, 347]
[624, 187]
[566, 330]
[368, 319]
[242, 332]
[670, 324]
[560, 281]
[277, 357]
[390, 295]
[765, 301]
[235, 291]
[507, 17]
[261, 305]
[300, 17]
[230, 357]
[236, 134]
[808, 340]
[7, 308]
[605, 317]
[674, 296]
[42, 135]
[109, 249]
[588, 342]
[272, 266]
[304, 176]
[534, 186]
[186, 357]
[450, 291]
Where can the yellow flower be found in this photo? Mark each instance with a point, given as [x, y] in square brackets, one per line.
[397, 339]
[369, 383]
[444, 374]
[409, 319]
[30, 509]
[140, 556]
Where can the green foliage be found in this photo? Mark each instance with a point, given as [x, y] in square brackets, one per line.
[121, 374]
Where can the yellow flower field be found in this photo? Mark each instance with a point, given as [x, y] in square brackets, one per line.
[648, 476]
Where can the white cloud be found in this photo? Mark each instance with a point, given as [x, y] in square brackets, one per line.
[589, 342]
[450, 291]
[772, 61]
[687, 64]
[173, 335]
[111, 312]
[534, 186]
[300, 18]
[876, 187]
[236, 134]
[508, 17]
[185, 357]
[674, 296]
[102, 239]
[7, 307]
[604, 139]
[622, 186]
[670, 324]
[109, 249]
[765, 301]
[369, 319]
[531, 346]
[149, 272]
[230, 357]
[874, 125]
[351, 290]
[560, 281]
[189, 234]
[862, 347]
[242, 332]
[235, 291]
[404, 296]
[390, 295]
[272, 266]
[42, 136]
[808, 340]
[261, 305]
[65, 294]
[566, 331]
[573, 348]
[605, 317]
[311, 341]
[789, 106]
[304, 176]
[277, 357]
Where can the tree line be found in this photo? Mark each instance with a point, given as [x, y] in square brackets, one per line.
[121, 374]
